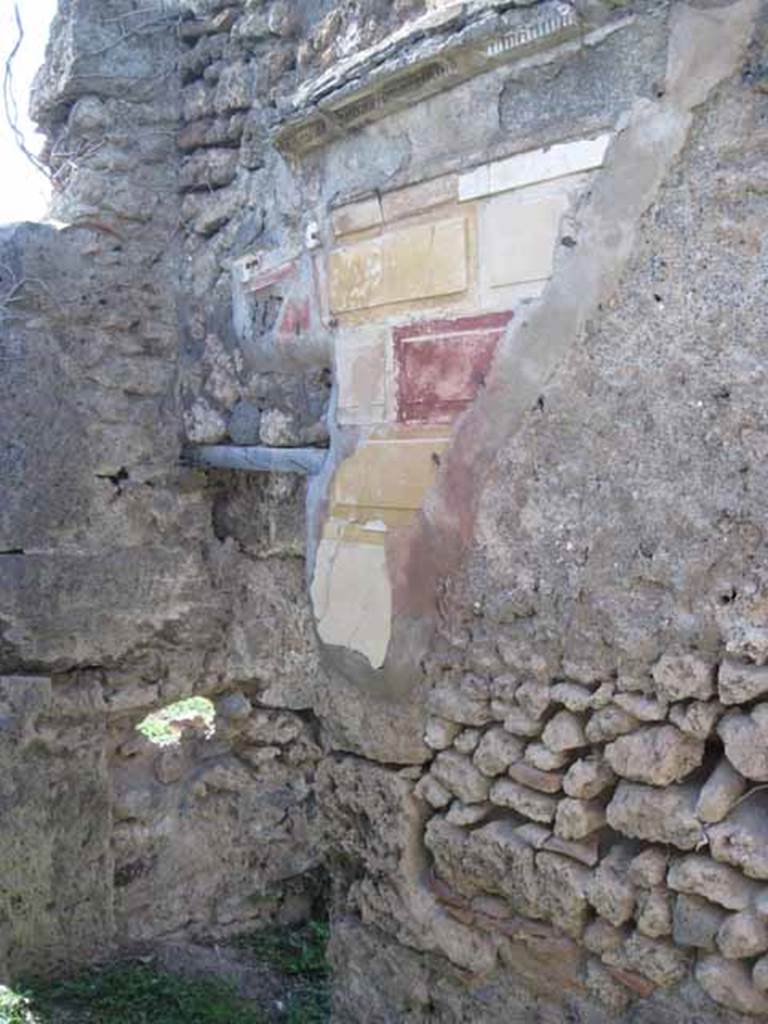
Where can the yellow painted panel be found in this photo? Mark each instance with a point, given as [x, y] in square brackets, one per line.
[417, 262]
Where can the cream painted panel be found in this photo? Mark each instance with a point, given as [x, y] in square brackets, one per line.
[536, 165]
[417, 262]
[352, 597]
[362, 375]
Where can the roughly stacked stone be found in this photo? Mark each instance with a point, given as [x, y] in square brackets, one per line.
[619, 811]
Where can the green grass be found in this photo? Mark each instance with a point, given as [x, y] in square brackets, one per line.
[293, 951]
[14, 1007]
[158, 727]
[132, 995]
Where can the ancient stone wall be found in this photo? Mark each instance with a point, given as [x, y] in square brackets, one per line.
[500, 665]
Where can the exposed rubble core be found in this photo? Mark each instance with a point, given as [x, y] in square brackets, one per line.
[499, 670]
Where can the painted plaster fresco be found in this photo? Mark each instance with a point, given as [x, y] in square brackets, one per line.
[422, 283]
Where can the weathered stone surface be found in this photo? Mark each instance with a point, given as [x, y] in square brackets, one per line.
[544, 759]
[576, 819]
[649, 868]
[742, 935]
[527, 802]
[684, 676]
[600, 936]
[608, 723]
[696, 922]
[742, 838]
[544, 782]
[588, 778]
[562, 892]
[496, 751]
[467, 741]
[467, 814]
[696, 718]
[654, 917]
[746, 741]
[573, 696]
[488, 860]
[701, 876]
[644, 709]
[720, 792]
[564, 731]
[659, 961]
[658, 755]
[738, 682]
[458, 775]
[520, 723]
[659, 815]
[609, 891]
[435, 794]
[729, 983]
[460, 702]
[440, 733]
[760, 974]
[533, 697]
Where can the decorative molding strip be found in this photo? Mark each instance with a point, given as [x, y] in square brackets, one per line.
[409, 67]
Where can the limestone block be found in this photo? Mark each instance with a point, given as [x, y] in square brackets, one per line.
[656, 959]
[533, 697]
[696, 718]
[520, 724]
[720, 792]
[458, 775]
[441, 364]
[562, 892]
[760, 974]
[738, 682]
[684, 676]
[433, 792]
[536, 836]
[729, 983]
[361, 375]
[425, 195]
[527, 775]
[574, 697]
[609, 890]
[741, 840]
[545, 759]
[658, 754]
[603, 987]
[588, 777]
[457, 704]
[654, 917]
[586, 852]
[467, 740]
[609, 722]
[352, 597]
[467, 814]
[603, 695]
[357, 216]
[564, 731]
[659, 815]
[440, 733]
[529, 803]
[488, 860]
[742, 935]
[644, 709]
[649, 868]
[496, 751]
[504, 687]
[600, 936]
[699, 875]
[419, 262]
[533, 166]
[576, 819]
[696, 922]
[746, 741]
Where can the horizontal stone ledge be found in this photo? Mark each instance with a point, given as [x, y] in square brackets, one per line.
[432, 54]
[254, 458]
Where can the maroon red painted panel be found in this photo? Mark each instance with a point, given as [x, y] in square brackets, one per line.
[441, 365]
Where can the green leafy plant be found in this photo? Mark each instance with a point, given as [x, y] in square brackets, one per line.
[15, 1007]
[294, 951]
[137, 994]
[165, 727]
